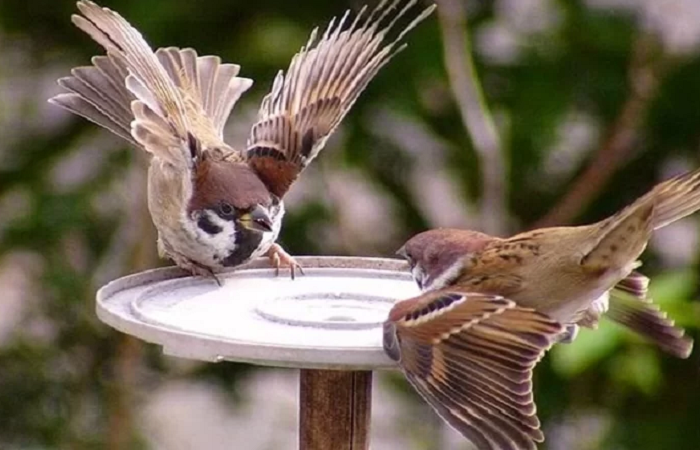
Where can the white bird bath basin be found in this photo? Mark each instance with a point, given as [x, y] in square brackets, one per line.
[327, 322]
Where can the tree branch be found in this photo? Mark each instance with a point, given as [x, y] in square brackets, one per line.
[620, 140]
[475, 113]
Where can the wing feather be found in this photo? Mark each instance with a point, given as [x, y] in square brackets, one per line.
[159, 101]
[471, 357]
[322, 82]
[99, 94]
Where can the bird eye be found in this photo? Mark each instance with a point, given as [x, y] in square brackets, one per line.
[226, 209]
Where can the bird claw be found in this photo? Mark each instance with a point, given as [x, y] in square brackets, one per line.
[279, 257]
[197, 269]
[569, 334]
[205, 272]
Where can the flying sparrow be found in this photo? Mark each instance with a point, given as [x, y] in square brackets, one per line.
[215, 206]
[472, 364]
[572, 274]
[470, 355]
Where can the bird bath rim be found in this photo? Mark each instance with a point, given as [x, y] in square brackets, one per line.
[329, 318]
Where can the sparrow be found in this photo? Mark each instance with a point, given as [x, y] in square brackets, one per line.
[471, 355]
[215, 206]
[529, 291]
[575, 274]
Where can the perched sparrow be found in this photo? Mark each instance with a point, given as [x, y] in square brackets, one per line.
[567, 274]
[470, 356]
[215, 206]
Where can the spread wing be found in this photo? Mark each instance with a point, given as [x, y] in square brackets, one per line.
[172, 102]
[471, 357]
[323, 81]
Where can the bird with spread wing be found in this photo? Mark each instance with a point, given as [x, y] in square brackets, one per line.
[213, 205]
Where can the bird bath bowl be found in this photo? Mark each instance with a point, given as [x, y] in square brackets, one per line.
[327, 322]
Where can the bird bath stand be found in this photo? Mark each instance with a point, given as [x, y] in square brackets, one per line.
[328, 323]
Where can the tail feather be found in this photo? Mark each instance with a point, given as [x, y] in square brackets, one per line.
[624, 237]
[676, 198]
[671, 200]
[647, 319]
[634, 284]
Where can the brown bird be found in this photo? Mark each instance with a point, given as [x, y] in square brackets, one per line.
[215, 206]
[471, 356]
[572, 274]
[567, 274]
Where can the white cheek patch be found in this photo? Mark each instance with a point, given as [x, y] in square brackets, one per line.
[222, 242]
[445, 278]
[203, 247]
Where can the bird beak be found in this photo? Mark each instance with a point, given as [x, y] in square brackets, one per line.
[257, 220]
[402, 252]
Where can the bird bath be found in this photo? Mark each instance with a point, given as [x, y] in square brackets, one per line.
[328, 323]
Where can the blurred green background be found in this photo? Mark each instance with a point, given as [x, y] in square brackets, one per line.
[572, 109]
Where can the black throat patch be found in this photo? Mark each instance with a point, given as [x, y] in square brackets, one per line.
[247, 241]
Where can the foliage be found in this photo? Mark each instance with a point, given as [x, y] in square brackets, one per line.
[72, 210]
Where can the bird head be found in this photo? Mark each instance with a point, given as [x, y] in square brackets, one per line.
[231, 206]
[438, 257]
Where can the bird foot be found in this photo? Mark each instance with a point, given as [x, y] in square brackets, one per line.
[195, 268]
[206, 272]
[569, 334]
[280, 258]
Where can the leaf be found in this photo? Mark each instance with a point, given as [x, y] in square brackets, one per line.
[639, 368]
